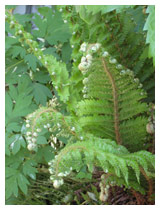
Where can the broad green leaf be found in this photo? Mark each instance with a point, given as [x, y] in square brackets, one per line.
[150, 27]
[41, 140]
[41, 93]
[22, 183]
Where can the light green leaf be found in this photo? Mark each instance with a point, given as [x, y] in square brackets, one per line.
[22, 183]
[150, 27]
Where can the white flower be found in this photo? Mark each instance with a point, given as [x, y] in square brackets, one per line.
[27, 125]
[12, 22]
[45, 126]
[94, 48]
[56, 184]
[50, 171]
[136, 80]
[28, 138]
[73, 129]
[34, 140]
[38, 130]
[72, 46]
[97, 45]
[53, 73]
[56, 87]
[28, 133]
[73, 32]
[85, 96]
[119, 66]
[71, 168]
[83, 59]
[113, 60]
[20, 31]
[65, 21]
[61, 174]
[61, 10]
[31, 146]
[39, 57]
[81, 137]
[36, 49]
[83, 47]
[55, 139]
[59, 125]
[48, 125]
[105, 54]
[27, 121]
[89, 57]
[35, 134]
[85, 81]
[140, 86]
[122, 72]
[50, 129]
[45, 62]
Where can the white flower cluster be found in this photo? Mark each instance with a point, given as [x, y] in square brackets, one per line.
[86, 62]
[31, 137]
[57, 180]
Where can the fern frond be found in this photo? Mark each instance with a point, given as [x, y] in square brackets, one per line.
[114, 107]
[104, 153]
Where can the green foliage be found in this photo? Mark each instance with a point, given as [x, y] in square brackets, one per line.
[97, 122]
[150, 27]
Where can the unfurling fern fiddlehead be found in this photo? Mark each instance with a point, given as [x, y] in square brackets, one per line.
[112, 109]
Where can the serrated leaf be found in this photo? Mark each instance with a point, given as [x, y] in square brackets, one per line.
[17, 50]
[42, 26]
[41, 93]
[31, 60]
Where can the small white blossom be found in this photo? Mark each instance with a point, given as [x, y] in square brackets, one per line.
[35, 134]
[105, 54]
[83, 59]
[36, 49]
[119, 66]
[140, 86]
[136, 80]
[12, 22]
[45, 62]
[20, 31]
[72, 46]
[53, 73]
[81, 137]
[48, 125]
[73, 129]
[65, 21]
[89, 57]
[85, 81]
[45, 126]
[60, 9]
[28, 138]
[73, 32]
[38, 130]
[61, 174]
[34, 140]
[94, 49]
[56, 87]
[31, 146]
[113, 61]
[97, 45]
[28, 133]
[59, 125]
[28, 125]
[27, 121]
[39, 57]
[83, 47]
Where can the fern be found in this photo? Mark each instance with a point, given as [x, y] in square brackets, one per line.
[114, 104]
